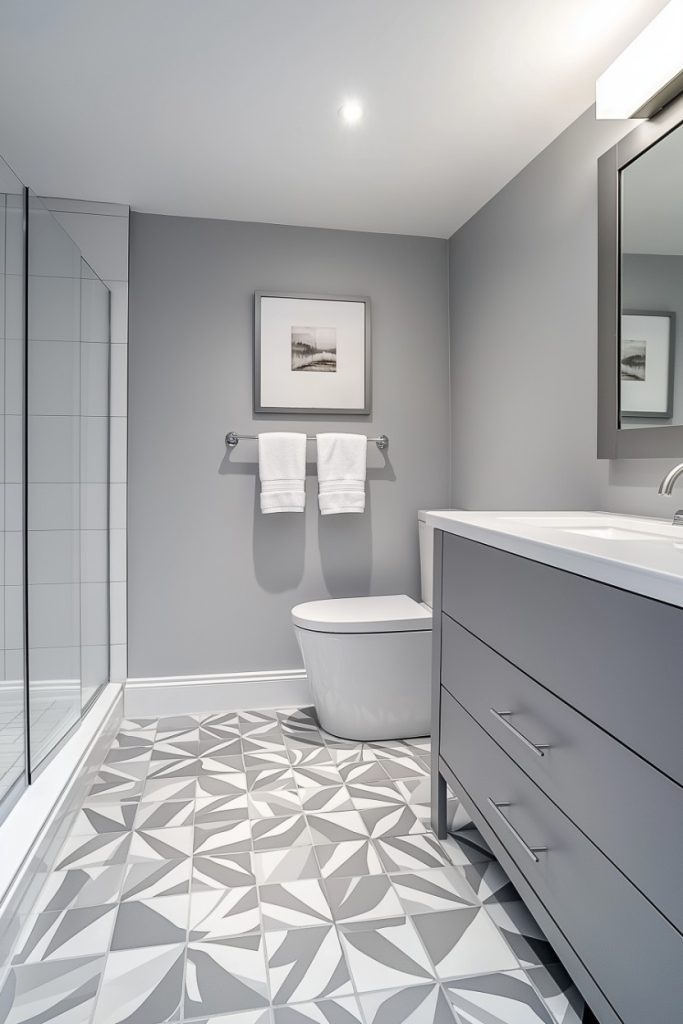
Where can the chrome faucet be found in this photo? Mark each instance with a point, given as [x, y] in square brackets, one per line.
[667, 486]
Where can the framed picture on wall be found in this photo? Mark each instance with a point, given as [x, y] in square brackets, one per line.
[312, 354]
[646, 363]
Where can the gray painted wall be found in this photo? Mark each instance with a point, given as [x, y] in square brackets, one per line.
[650, 282]
[211, 580]
[523, 311]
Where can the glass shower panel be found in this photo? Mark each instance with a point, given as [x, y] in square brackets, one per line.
[54, 464]
[12, 675]
[95, 355]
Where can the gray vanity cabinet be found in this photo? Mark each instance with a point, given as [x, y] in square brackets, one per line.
[557, 706]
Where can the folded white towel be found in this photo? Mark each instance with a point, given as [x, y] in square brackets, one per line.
[282, 468]
[342, 460]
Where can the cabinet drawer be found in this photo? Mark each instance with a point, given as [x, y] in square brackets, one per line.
[634, 954]
[616, 657]
[632, 812]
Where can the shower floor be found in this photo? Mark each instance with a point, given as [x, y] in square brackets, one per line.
[53, 712]
[250, 869]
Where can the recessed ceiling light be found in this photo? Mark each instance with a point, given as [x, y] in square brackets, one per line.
[351, 112]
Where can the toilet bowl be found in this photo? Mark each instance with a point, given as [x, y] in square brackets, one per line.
[368, 659]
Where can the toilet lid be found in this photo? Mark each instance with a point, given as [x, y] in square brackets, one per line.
[393, 613]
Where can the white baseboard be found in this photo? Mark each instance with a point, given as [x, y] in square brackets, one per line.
[34, 830]
[234, 691]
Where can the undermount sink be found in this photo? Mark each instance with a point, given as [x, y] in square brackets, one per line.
[613, 533]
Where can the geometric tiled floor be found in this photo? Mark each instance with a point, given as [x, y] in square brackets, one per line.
[250, 869]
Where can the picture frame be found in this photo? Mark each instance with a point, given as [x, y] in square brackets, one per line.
[646, 364]
[312, 354]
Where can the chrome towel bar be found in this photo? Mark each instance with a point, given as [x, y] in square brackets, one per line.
[232, 439]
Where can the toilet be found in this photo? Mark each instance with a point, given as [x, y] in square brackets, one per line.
[368, 659]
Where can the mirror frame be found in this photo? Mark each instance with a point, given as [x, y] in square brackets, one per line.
[633, 442]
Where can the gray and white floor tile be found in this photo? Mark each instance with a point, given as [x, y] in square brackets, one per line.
[94, 851]
[228, 807]
[169, 814]
[337, 826]
[222, 872]
[497, 999]
[141, 986]
[388, 954]
[298, 904]
[419, 1004]
[218, 914]
[162, 790]
[325, 800]
[161, 921]
[326, 1011]
[249, 868]
[252, 721]
[489, 881]
[348, 859]
[367, 795]
[462, 942]
[276, 804]
[411, 853]
[280, 833]
[438, 889]
[52, 992]
[286, 865]
[317, 775]
[64, 934]
[222, 784]
[467, 846]
[306, 964]
[560, 995]
[391, 821]
[245, 1017]
[160, 844]
[368, 898]
[362, 772]
[270, 779]
[222, 839]
[100, 818]
[404, 767]
[80, 887]
[225, 975]
[522, 934]
[149, 879]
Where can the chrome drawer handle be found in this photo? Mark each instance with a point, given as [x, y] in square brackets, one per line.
[502, 716]
[530, 851]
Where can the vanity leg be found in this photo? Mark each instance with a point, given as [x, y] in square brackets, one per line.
[439, 810]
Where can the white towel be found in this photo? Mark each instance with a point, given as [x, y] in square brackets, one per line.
[282, 468]
[342, 460]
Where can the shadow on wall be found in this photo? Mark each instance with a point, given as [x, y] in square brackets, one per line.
[279, 541]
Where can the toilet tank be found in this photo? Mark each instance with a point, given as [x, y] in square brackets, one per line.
[426, 534]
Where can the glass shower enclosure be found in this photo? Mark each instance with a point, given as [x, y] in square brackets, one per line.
[13, 695]
[55, 553]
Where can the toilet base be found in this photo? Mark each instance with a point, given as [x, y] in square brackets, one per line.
[369, 686]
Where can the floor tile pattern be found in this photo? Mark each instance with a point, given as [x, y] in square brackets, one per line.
[248, 868]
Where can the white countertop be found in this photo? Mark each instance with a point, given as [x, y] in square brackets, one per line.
[637, 554]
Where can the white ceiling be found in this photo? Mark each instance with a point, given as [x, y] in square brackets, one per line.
[227, 108]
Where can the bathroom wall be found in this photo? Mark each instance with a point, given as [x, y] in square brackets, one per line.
[523, 302]
[101, 232]
[211, 580]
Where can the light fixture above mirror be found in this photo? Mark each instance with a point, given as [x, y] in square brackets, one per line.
[649, 72]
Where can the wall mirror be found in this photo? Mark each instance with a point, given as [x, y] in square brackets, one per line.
[640, 291]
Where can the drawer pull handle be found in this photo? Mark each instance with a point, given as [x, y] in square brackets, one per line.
[502, 716]
[531, 851]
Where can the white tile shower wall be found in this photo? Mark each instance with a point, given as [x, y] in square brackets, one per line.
[101, 232]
